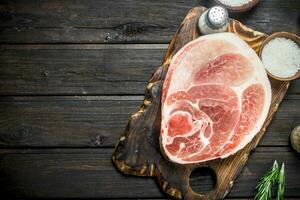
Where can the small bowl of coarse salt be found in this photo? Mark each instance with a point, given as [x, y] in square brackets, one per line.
[237, 5]
[280, 54]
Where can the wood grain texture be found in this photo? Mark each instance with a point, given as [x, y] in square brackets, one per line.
[88, 173]
[138, 150]
[123, 21]
[81, 69]
[77, 69]
[93, 121]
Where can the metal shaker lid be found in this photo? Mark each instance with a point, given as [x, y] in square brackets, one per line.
[216, 17]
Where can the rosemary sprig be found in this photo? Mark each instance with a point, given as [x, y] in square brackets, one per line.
[274, 176]
[264, 187]
[281, 183]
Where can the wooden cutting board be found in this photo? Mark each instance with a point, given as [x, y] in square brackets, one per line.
[138, 150]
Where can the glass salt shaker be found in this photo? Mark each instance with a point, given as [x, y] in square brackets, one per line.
[214, 20]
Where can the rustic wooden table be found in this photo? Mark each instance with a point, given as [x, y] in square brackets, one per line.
[71, 74]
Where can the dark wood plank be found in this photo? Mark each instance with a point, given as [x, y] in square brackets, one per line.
[81, 69]
[85, 173]
[64, 121]
[77, 69]
[91, 121]
[90, 21]
[260, 161]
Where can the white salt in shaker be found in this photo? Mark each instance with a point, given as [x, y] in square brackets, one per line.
[214, 20]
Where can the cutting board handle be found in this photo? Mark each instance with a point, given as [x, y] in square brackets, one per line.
[209, 176]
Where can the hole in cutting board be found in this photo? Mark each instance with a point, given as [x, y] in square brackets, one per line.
[202, 180]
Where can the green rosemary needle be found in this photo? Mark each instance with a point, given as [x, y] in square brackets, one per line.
[264, 187]
[281, 183]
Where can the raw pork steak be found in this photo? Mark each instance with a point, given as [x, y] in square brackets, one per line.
[215, 99]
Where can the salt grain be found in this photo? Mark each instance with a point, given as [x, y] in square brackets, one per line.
[281, 57]
[235, 2]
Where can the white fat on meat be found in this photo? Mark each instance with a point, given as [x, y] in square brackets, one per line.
[215, 99]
